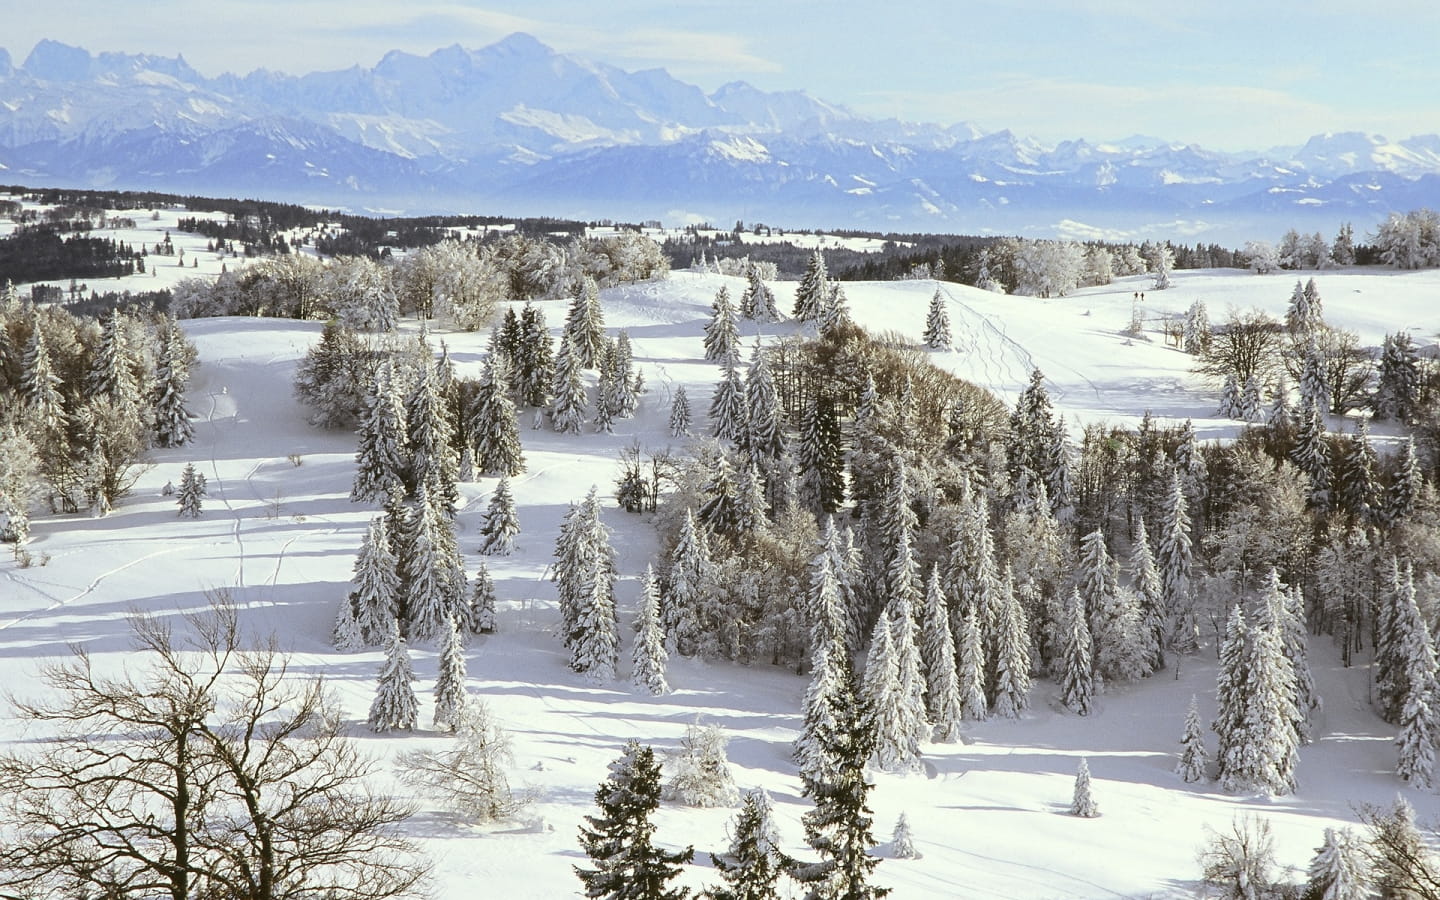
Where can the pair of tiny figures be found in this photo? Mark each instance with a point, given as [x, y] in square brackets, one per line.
[1140, 295]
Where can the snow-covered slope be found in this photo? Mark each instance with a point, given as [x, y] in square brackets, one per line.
[519, 125]
[988, 814]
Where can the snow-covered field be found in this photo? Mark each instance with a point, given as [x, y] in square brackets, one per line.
[988, 814]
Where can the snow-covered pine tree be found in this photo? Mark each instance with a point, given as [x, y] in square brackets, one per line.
[752, 868]
[902, 840]
[820, 455]
[1340, 869]
[722, 336]
[1083, 802]
[1145, 576]
[172, 376]
[429, 571]
[585, 325]
[346, 636]
[494, 427]
[1011, 654]
[826, 703]
[566, 410]
[729, 418]
[1262, 755]
[1359, 491]
[649, 657]
[1232, 698]
[1415, 660]
[1404, 492]
[1077, 678]
[375, 597]
[450, 696]
[688, 589]
[1230, 407]
[1398, 388]
[434, 464]
[626, 380]
[478, 615]
[813, 293]
[765, 430]
[585, 577]
[1196, 333]
[500, 524]
[840, 826]
[380, 459]
[680, 413]
[937, 324]
[970, 670]
[607, 393]
[1300, 319]
[111, 375]
[1193, 759]
[1281, 413]
[700, 770]
[1174, 557]
[1251, 403]
[903, 584]
[882, 693]
[620, 840]
[1314, 386]
[40, 385]
[191, 492]
[595, 639]
[1397, 852]
[758, 301]
[825, 612]
[1283, 610]
[719, 512]
[534, 368]
[1317, 306]
[395, 707]
[1311, 454]
[835, 311]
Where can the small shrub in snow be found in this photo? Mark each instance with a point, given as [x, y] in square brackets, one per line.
[1238, 862]
[469, 778]
[701, 772]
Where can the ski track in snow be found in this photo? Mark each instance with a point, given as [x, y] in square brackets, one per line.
[57, 603]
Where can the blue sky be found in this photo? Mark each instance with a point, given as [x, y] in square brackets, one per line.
[1225, 74]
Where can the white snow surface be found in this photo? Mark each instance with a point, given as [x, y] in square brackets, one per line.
[989, 815]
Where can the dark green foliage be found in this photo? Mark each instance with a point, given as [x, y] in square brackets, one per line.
[620, 840]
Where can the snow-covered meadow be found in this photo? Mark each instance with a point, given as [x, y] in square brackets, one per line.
[989, 815]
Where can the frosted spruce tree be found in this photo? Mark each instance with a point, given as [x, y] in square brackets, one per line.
[827, 703]
[1281, 413]
[722, 336]
[943, 697]
[428, 570]
[494, 428]
[909, 671]
[190, 495]
[534, 367]
[1193, 759]
[1405, 487]
[729, 419]
[700, 771]
[820, 455]
[1011, 654]
[1414, 659]
[1340, 869]
[970, 670]
[450, 696]
[679, 413]
[478, 615]
[395, 707]
[1230, 405]
[758, 301]
[434, 464]
[1398, 390]
[1196, 330]
[172, 376]
[1077, 678]
[1145, 576]
[839, 828]
[765, 430]
[688, 590]
[500, 524]
[754, 865]
[376, 595]
[1251, 406]
[585, 580]
[585, 326]
[937, 324]
[620, 840]
[381, 459]
[902, 840]
[1358, 490]
[345, 636]
[1311, 455]
[1261, 754]
[1083, 802]
[648, 659]
[1174, 556]
[40, 386]
[566, 412]
[813, 292]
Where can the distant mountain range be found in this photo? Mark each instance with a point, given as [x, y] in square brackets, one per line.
[516, 128]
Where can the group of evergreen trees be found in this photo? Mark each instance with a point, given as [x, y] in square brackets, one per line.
[80, 402]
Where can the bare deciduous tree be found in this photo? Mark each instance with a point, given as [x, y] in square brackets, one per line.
[202, 770]
[1247, 344]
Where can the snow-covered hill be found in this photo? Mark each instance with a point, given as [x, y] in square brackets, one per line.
[516, 127]
[988, 814]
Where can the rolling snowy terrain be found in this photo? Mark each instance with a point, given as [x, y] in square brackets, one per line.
[989, 815]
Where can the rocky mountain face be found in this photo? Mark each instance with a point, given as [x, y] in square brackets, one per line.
[517, 128]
